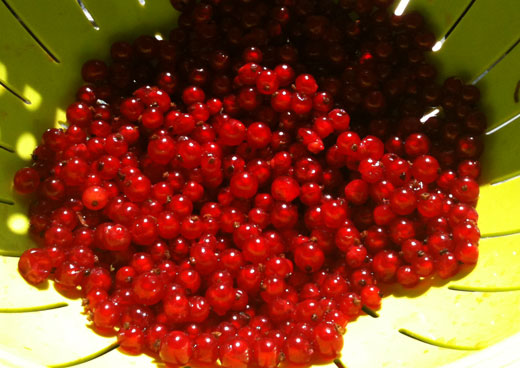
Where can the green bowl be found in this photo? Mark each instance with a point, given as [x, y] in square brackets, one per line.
[42, 46]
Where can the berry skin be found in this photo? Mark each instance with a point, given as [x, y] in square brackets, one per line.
[35, 266]
[301, 104]
[95, 198]
[371, 171]
[144, 230]
[235, 353]
[113, 237]
[205, 349]
[137, 188]
[416, 145]
[131, 340]
[285, 189]
[176, 348]
[255, 250]
[465, 189]
[402, 201]
[447, 265]
[244, 185]
[258, 135]
[106, 315]
[26, 180]
[176, 307]
[161, 149]
[267, 353]
[267, 82]
[356, 191]
[148, 288]
[466, 253]
[426, 169]
[329, 341]
[385, 265]
[298, 350]
[308, 257]
[306, 84]
[340, 119]
[232, 132]
[371, 296]
[285, 74]
[407, 277]
[220, 297]
[429, 205]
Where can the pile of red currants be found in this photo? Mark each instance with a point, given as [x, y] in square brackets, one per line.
[237, 193]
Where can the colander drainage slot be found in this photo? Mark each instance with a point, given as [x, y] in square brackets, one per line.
[40, 308]
[439, 344]
[17, 95]
[483, 289]
[370, 312]
[88, 358]
[22, 23]
[477, 79]
[87, 15]
[6, 202]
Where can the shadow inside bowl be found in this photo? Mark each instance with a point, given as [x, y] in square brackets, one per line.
[424, 285]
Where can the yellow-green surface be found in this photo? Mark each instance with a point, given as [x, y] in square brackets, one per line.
[448, 320]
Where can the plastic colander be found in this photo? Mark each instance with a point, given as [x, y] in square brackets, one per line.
[470, 321]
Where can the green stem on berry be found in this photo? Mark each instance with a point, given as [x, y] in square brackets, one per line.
[440, 344]
[87, 358]
[39, 308]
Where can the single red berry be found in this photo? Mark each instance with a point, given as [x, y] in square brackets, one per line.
[371, 296]
[243, 185]
[403, 201]
[340, 119]
[285, 189]
[426, 169]
[298, 350]
[144, 230]
[267, 82]
[447, 265]
[306, 84]
[205, 349]
[308, 257]
[356, 191]
[267, 352]
[285, 74]
[95, 198]
[466, 253]
[258, 135]
[417, 144]
[235, 353]
[176, 348]
[35, 266]
[385, 265]
[465, 189]
[148, 288]
[328, 341]
[106, 315]
[26, 180]
[407, 277]
[371, 170]
[301, 104]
